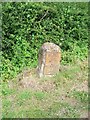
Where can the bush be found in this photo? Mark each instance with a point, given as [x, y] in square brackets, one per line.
[26, 26]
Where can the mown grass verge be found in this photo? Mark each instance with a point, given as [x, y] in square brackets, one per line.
[67, 99]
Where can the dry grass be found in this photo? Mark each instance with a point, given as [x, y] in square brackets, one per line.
[64, 95]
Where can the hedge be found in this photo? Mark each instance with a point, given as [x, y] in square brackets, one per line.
[27, 25]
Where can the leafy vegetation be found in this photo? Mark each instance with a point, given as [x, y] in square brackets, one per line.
[82, 96]
[26, 26]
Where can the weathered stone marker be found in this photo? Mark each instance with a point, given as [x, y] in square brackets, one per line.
[49, 59]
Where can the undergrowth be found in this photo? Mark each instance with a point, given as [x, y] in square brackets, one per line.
[26, 26]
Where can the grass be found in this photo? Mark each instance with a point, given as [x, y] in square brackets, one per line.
[57, 97]
[39, 95]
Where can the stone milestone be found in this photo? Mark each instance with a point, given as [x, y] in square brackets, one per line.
[49, 59]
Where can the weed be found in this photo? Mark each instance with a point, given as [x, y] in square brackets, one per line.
[24, 95]
[81, 96]
[39, 95]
